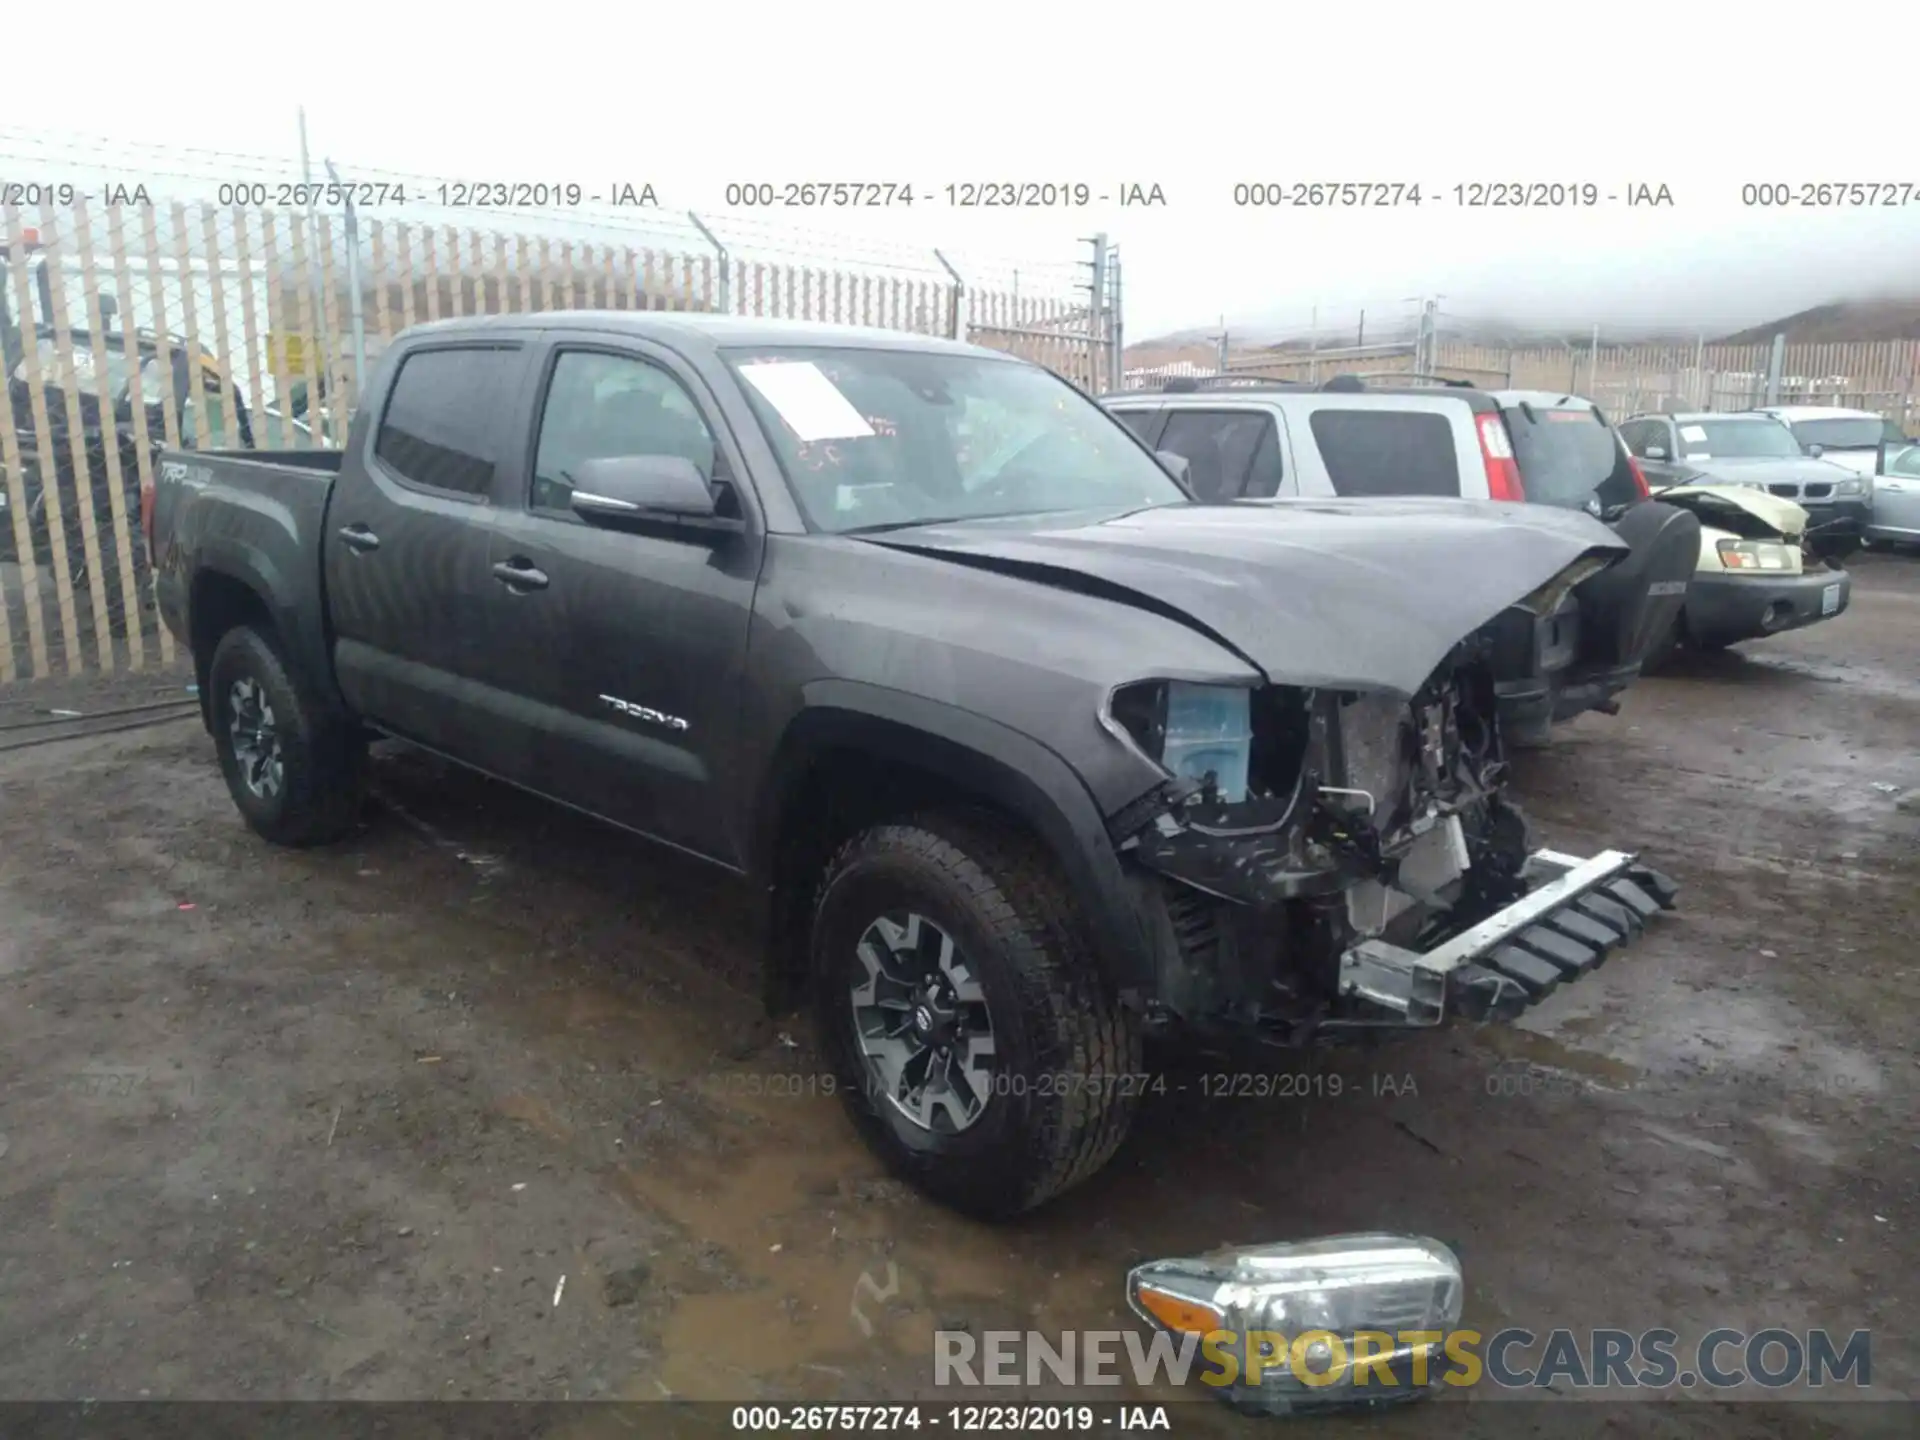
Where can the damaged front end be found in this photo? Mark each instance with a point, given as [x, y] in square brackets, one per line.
[1355, 866]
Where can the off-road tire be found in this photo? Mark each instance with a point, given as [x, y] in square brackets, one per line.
[323, 756]
[1067, 1074]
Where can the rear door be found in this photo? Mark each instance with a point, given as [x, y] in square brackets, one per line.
[1232, 452]
[405, 551]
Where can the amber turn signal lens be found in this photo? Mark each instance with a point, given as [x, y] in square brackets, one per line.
[1182, 1316]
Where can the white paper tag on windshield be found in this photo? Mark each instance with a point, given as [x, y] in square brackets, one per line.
[1695, 433]
[807, 400]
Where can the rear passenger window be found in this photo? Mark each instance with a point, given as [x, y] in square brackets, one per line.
[1140, 422]
[1387, 452]
[438, 430]
[1219, 447]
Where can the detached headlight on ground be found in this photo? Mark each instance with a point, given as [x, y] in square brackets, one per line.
[1755, 555]
[1188, 730]
[1342, 1308]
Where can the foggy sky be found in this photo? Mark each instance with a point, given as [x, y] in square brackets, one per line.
[996, 91]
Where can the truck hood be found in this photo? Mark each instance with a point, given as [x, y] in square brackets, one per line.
[1738, 508]
[1350, 594]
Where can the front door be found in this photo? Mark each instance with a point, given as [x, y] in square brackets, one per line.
[1896, 497]
[642, 636]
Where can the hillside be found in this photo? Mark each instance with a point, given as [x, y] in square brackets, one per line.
[1833, 324]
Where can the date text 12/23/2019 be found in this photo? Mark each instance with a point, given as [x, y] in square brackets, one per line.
[955, 1419]
[1467, 195]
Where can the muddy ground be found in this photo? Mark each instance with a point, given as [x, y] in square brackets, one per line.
[336, 1125]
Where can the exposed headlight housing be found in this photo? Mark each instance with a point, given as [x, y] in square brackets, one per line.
[1190, 731]
[1550, 596]
[1320, 1306]
[1857, 485]
[1756, 555]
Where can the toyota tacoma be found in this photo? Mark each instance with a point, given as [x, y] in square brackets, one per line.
[1028, 754]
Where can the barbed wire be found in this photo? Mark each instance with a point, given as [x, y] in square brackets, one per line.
[192, 170]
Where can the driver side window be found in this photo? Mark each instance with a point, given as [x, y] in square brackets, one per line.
[599, 406]
[1644, 435]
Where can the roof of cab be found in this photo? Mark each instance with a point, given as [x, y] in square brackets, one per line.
[684, 327]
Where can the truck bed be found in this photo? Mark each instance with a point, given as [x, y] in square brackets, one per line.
[256, 517]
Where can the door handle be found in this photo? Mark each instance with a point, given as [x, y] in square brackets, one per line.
[518, 574]
[359, 538]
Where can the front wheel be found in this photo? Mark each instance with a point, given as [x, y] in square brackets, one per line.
[293, 770]
[979, 1049]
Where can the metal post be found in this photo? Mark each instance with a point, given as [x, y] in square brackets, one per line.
[1360, 337]
[1225, 348]
[1116, 333]
[726, 263]
[353, 291]
[313, 274]
[1593, 365]
[1775, 363]
[1313, 347]
[1097, 310]
[1701, 400]
[955, 328]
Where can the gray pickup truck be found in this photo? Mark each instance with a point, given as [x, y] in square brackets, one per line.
[1029, 755]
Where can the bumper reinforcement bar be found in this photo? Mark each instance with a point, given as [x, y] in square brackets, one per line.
[1577, 914]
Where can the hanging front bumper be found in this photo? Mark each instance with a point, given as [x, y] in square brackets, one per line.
[1577, 913]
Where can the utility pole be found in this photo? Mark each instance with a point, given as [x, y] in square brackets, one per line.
[1220, 365]
[1116, 330]
[1313, 348]
[354, 307]
[1360, 337]
[1097, 332]
[1424, 350]
[1593, 364]
[313, 278]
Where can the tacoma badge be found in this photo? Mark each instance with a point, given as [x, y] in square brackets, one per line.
[642, 712]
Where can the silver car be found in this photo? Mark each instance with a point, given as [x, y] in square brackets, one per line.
[1758, 452]
[1896, 499]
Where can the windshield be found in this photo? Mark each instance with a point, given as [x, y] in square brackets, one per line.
[1570, 458]
[900, 437]
[1736, 440]
[1864, 433]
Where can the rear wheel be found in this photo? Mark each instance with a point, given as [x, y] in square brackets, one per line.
[293, 770]
[978, 1048]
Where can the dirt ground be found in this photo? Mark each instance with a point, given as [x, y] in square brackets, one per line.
[338, 1125]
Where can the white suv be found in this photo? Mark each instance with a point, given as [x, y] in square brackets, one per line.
[1244, 439]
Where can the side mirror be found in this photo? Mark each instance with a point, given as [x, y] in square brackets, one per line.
[1816, 451]
[1655, 452]
[1174, 465]
[620, 491]
[109, 307]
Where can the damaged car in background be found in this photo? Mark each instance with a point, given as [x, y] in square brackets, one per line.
[1026, 754]
[1764, 570]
